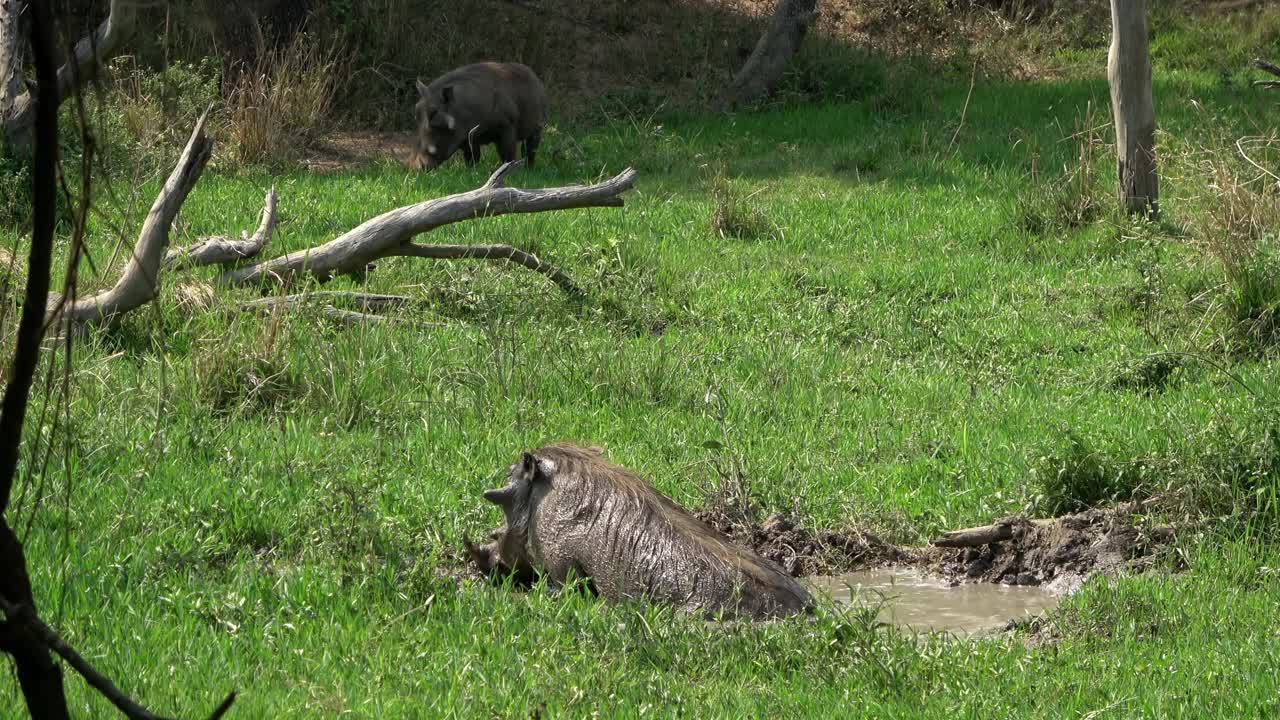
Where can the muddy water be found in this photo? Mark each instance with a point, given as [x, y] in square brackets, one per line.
[923, 603]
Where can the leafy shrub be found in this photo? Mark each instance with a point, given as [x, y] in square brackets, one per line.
[145, 116]
[1076, 477]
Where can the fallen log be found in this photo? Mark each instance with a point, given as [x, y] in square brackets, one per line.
[390, 233]
[983, 535]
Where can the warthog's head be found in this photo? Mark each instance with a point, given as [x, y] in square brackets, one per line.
[508, 554]
[437, 125]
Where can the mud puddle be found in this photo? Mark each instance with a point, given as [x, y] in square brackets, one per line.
[912, 600]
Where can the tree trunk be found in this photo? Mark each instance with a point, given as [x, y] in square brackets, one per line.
[12, 55]
[39, 677]
[779, 43]
[1129, 74]
[17, 108]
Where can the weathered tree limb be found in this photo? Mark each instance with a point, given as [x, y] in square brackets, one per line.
[1264, 65]
[324, 299]
[87, 57]
[1261, 64]
[973, 537]
[1132, 107]
[367, 301]
[779, 43]
[39, 677]
[140, 282]
[978, 536]
[222, 250]
[491, 252]
[389, 234]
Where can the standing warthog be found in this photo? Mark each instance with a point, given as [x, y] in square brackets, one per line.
[569, 510]
[500, 103]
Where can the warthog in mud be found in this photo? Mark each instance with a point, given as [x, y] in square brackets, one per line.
[568, 510]
[474, 105]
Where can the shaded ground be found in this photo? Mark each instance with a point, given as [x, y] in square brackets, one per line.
[354, 149]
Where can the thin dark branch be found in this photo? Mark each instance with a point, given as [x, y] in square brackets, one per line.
[223, 706]
[44, 198]
[100, 682]
[38, 675]
[492, 252]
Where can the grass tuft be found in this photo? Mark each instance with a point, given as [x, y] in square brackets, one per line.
[736, 214]
[280, 103]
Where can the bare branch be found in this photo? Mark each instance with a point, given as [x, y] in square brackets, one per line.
[978, 536]
[44, 199]
[140, 282]
[323, 299]
[38, 675]
[499, 177]
[389, 233]
[367, 301]
[1266, 66]
[491, 252]
[221, 250]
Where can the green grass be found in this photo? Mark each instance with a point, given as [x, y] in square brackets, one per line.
[274, 504]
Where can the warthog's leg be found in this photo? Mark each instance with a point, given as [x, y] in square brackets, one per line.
[507, 144]
[531, 146]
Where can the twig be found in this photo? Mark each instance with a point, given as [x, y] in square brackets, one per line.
[367, 301]
[964, 111]
[492, 252]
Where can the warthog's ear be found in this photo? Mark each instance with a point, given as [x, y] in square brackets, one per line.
[422, 87]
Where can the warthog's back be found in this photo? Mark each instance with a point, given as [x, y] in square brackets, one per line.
[495, 84]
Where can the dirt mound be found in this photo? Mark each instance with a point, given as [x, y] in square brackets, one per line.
[1062, 551]
[801, 551]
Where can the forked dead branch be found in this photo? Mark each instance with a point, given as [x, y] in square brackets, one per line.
[390, 234]
[1265, 66]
